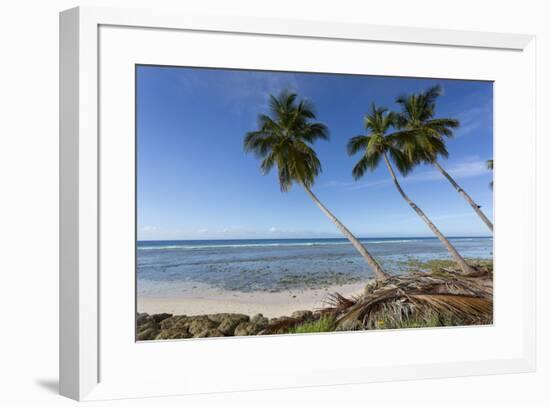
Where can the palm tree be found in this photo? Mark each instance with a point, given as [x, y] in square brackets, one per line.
[378, 145]
[423, 136]
[284, 140]
[490, 167]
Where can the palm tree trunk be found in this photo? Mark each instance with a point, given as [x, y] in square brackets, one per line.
[466, 269]
[379, 273]
[474, 206]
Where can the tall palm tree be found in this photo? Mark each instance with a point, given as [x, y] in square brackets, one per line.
[377, 145]
[284, 140]
[424, 136]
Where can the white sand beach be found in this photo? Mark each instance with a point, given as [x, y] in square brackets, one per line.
[199, 300]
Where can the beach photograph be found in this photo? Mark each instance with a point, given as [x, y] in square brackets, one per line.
[275, 203]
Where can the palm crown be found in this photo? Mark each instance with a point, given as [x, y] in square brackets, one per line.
[422, 136]
[377, 143]
[284, 140]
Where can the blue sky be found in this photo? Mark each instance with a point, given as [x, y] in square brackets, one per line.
[195, 182]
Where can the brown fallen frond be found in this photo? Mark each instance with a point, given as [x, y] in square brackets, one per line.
[337, 302]
[468, 307]
[419, 299]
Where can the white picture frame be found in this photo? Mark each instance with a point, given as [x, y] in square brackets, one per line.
[89, 39]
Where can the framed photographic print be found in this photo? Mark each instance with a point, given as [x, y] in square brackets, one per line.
[277, 204]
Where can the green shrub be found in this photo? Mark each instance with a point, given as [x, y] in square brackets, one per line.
[323, 324]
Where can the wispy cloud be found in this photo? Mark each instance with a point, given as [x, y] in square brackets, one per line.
[467, 169]
[472, 115]
[437, 218]
[235, 233]
[239, 91]
[149, 228]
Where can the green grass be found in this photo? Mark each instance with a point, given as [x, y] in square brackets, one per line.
[437, 265]
[323, 324]
[326, 323]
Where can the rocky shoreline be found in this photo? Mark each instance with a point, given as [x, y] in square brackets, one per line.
[168, 326]
[440, 297]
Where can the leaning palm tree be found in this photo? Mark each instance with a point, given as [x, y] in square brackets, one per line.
[377, 146]
[284, 140]
[423, 136]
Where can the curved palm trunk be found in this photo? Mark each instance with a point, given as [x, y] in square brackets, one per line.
[466, 269]
[379, 273]
[474, 206]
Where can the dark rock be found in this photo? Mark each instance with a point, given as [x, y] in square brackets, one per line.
[177, 321]
[259, 319]
[218, 318]
[240, 330]
[248, 328]
[175, 333]
[175, 327]
[252, 327]
[209, 333]
[280, 325]
[230, 322]
[199, 324]
[161, 317]
[168, 326]
[146, 327]
[141, 318]
[278, 320]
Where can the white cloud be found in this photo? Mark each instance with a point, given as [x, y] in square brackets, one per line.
[471, 117]
[239, 91]
[467, 169]
[149, 228]
[273, 229]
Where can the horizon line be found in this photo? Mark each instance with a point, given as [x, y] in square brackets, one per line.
[318, 238]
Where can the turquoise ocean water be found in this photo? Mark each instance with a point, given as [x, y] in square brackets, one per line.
[283, 264]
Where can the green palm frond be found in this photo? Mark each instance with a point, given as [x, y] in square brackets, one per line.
[490, 167]
[379, 142]
[357, 143]
[268, 163]
[442, 123]
[259, 142]
[403, 164]
[365, 163]
[430, 96]
[422, 137]
[284, 140]
[313, 132]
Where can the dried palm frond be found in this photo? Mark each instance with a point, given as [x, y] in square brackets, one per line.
[426, 299]
[336, 302]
